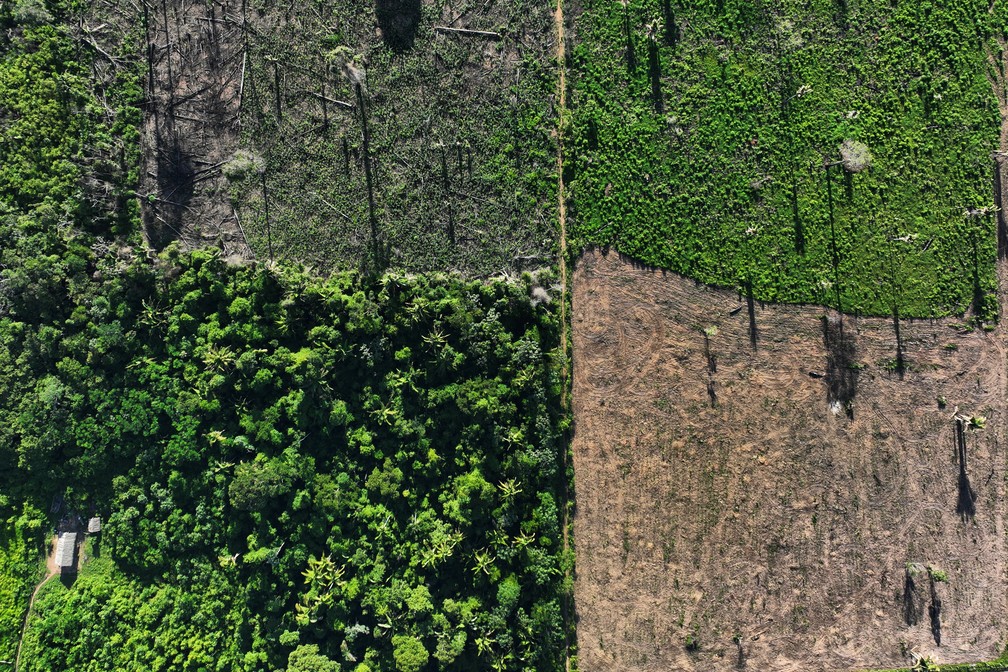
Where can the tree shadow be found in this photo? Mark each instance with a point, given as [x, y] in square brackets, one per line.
[841, 365]
[979, 300]
[834, 251]
[966, 504]
[799, 228]
[631, 54]
[176, 180]
[966, 501]
[751, 308]
[398, 20]
[654, 72]
[934, 613]
[911, 600]
[900, 360]
[671, 26]
[1002, 225]
[842, 15]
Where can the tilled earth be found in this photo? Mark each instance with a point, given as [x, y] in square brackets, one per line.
[797, 504]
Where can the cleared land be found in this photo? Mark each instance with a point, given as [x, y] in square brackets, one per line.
[396, 133]
[705, 137]
[765, 507]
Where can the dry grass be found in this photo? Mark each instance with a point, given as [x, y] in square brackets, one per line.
[765, 503]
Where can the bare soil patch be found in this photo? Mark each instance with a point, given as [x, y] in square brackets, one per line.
[777, 508]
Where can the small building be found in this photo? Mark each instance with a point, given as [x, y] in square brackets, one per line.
[66, 550]
[94, 525]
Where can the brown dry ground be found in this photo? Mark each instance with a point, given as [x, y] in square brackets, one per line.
[771, 518]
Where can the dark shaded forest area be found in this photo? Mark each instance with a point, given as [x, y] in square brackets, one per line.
[345, 473]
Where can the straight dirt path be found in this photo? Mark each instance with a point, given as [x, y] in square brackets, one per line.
[561, 56]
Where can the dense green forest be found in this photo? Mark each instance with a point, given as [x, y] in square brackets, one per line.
[372, 468]
[355, 472]
[835, 151]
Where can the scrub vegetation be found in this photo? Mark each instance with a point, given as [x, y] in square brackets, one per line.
[831, 152]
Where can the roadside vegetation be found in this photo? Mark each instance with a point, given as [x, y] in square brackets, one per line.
[19, 569]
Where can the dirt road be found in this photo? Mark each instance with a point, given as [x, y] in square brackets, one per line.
[51, 571]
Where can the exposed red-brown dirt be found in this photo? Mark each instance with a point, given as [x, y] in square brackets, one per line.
[763, 508]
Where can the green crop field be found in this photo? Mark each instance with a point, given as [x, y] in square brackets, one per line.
[706, 139]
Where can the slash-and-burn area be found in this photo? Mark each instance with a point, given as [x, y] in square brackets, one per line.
[822, 499]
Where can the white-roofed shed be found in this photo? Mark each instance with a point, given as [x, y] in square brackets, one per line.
[66, 547]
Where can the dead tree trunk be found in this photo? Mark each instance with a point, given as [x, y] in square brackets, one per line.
[966, 504]
[368, 176]
[269, 234]
[325, 107]
[150, 58]
[276, 91]
[447, 196]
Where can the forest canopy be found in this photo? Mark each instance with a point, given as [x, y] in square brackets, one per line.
[359, 472]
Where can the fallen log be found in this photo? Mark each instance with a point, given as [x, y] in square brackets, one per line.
[468, 33]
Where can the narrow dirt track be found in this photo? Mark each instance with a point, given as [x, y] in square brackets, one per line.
[51, 571]
[561, 58]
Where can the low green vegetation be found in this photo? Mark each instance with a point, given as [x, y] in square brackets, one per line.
[829, 152]
[20, 542]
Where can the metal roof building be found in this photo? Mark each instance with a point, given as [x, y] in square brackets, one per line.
[94, 525]
[65, 551]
